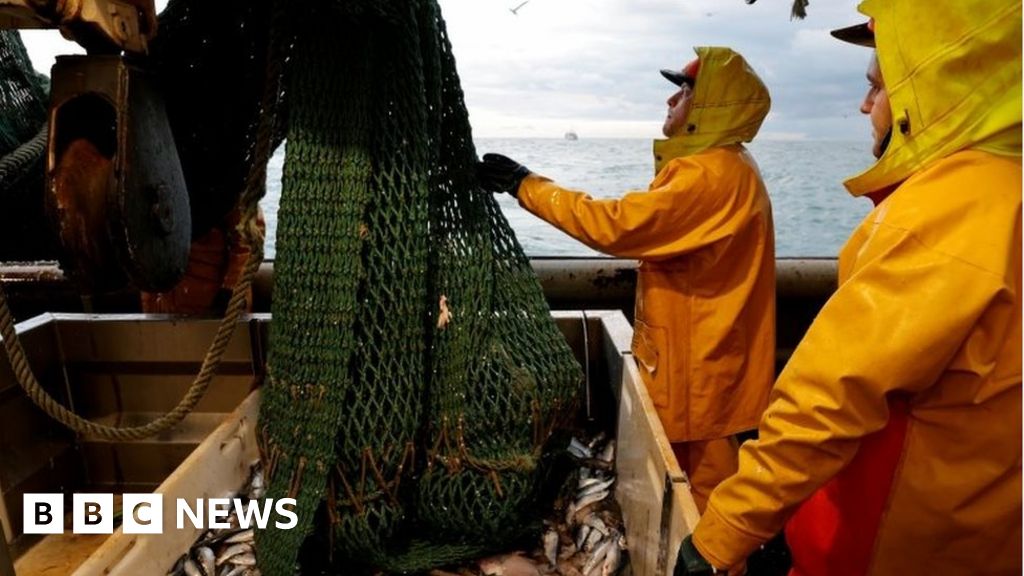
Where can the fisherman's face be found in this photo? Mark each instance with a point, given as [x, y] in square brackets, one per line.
[876, 105]
[678, 110]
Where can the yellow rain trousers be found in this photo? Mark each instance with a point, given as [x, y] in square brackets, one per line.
[892, 442]
[704, 333]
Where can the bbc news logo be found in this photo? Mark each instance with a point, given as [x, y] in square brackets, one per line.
[144, 513]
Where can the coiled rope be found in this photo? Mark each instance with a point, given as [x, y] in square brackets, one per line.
[26, 378]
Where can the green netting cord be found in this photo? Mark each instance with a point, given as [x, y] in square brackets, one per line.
[23, 94]
[423, 432]
[318, 275]
[23, 104]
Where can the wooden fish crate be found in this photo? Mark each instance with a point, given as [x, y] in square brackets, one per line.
[126, 368]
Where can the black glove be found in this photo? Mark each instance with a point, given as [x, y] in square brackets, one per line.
[499, 173]
[689, 562]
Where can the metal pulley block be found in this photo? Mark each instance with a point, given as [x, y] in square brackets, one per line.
[115, 189]
[106, 26]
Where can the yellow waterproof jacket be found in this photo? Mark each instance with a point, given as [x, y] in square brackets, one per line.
[892, 442]
[705, 303]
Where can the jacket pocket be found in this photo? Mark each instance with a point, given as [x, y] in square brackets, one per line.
[651, 352]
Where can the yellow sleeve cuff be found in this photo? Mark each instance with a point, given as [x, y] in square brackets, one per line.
[529, 188]
[722, 545]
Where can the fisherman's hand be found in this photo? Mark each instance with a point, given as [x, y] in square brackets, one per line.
[499, 173]
[689, 562]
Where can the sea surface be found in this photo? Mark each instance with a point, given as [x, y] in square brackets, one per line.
[813, 212]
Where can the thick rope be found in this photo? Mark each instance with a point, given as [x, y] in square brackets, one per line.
[14, 164]
[35, 392]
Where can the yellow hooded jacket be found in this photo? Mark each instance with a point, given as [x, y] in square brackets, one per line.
[704, 334]
[892, 443]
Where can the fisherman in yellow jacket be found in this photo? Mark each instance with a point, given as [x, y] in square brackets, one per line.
[704, 331]
[892, 443]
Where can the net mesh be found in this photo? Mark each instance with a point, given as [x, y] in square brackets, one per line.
[415, 375]
[22, 94]
[23, 102]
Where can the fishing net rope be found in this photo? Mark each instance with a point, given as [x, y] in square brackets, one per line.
[415, 375]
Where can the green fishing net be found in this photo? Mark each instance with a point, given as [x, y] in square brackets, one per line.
[415, 376]
[23, 102]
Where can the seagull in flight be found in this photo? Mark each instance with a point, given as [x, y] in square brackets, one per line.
[515, 11]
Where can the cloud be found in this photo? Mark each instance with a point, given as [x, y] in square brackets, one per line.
[593, 63]
[43, 47]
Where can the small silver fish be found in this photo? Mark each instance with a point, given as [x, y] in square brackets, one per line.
[598, 556]
[594, 488]
[592, 540]
[551, 546]
[590, 499]
[232, 551]
[579, 449]
[582, 535]
[595, 522]
[191, 568]
[207, 560]
[256, 486]
[247, 559]
[612, 561]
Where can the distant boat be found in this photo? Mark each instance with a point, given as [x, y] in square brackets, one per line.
[570, 135]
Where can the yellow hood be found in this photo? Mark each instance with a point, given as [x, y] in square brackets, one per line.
[953, 73]
[729, 104]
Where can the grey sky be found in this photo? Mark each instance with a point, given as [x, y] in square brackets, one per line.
[592, 65]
